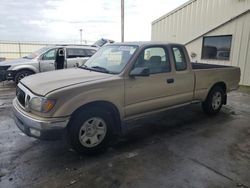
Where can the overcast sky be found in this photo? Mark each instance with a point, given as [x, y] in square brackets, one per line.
[60, 20]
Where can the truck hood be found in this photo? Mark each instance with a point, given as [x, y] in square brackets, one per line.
[15, 61]
[43, 83]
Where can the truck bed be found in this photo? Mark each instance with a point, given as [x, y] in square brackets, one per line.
[207, 66]
[206, 75]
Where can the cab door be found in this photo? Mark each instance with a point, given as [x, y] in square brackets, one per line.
[184, 79]
[47, 60]
[143, 94]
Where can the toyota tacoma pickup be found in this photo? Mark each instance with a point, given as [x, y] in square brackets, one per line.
[118, 84]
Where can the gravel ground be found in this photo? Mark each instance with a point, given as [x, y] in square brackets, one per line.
[177, 148]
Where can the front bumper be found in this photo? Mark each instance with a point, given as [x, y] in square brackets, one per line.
[42, 128]
[7, 75]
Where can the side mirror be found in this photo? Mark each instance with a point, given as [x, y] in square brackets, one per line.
[41, 57]
[140, 71]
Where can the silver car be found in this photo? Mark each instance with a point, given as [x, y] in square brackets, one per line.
[45, 59]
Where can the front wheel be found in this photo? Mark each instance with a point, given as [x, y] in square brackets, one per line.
[212, 105]
[90, 130]
[21, 74]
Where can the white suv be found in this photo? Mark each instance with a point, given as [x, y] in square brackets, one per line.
[45, 59]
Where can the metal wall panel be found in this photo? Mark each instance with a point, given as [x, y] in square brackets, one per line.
[197, 18]
[240, 47]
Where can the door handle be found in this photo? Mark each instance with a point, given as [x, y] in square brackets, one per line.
[170, 80]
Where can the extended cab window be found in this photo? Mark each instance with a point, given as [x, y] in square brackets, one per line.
[179, 59]
[155, 58]
[50, 55]
[75, 52]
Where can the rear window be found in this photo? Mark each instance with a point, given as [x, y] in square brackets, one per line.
[75, 52]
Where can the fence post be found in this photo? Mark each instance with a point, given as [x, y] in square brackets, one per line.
[20, 53]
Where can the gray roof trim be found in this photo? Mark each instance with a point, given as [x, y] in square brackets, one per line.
[173, 11]
[141, 43]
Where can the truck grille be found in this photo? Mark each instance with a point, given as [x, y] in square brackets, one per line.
[20, 94]
[2, 75]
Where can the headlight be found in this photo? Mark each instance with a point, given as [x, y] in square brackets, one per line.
[41, 104]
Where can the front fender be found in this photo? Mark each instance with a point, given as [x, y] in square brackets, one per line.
[72, 98]
[22, 67]
[73, 103]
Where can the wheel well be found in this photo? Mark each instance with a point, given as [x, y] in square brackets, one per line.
[17, 71]
[224, 88]
[222, 85]
[110, 107]
[26, 69]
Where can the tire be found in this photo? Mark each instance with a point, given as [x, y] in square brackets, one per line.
[90, 130]
[21, 74]
[214, 101]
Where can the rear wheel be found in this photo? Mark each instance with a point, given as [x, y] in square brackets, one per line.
[21, 74]
[214, 101]
[90, 130]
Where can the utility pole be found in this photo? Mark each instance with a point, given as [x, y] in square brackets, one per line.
[122, 20]
[80, 36]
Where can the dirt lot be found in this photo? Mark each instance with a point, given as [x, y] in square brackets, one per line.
[178, 148]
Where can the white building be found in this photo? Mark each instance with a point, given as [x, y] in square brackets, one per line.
[214, 31]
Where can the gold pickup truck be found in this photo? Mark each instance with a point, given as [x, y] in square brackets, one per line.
[120, 83]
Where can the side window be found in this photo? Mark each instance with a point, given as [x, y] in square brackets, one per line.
[90, 52]
[75, 52]
[50, 55]
[155, 58]
[179, 58]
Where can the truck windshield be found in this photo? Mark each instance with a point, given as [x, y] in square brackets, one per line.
[111, 59]
[36, 53]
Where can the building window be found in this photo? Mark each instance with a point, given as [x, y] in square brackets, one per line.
[216, 47]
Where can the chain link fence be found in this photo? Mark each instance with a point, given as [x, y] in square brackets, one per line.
[15, 49]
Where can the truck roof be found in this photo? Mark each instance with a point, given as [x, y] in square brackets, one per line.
[143, 43]
[72, 46]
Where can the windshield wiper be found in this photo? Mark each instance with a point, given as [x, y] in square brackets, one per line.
[85, 67]
[102, 69]
[97, 68]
